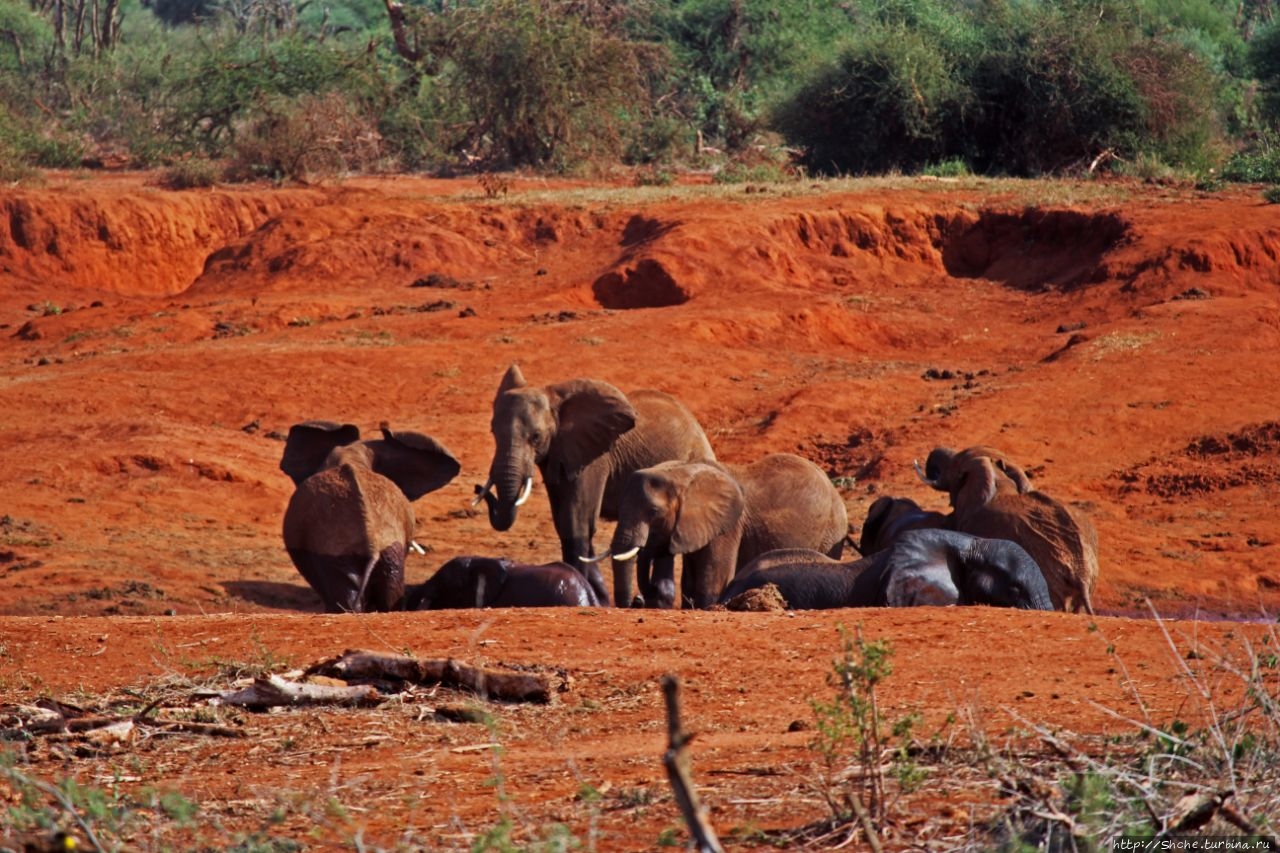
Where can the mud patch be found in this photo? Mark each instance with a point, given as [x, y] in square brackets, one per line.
[1211, 463]
[646, 285]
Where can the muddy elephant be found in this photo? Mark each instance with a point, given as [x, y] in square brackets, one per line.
[888, 518]
[349, 523]
[922, 567]
[719, 517]
[465, 582]
[991, 497]
[585, 437]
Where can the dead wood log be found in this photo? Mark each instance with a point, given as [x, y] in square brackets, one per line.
[273, 691]
[676, 760]
[505, 685]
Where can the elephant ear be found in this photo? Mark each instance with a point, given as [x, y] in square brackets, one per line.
[488, 577]
[309, 444]
[979, 586]
[710, 505]
[590, 417]
[415, 462]
[873, 525]
[976, 483]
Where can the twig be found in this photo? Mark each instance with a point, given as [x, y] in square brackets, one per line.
[676, 760]
[68, 806]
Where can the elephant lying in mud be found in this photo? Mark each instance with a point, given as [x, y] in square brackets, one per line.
[586, 437]
[992, 497]
[923, 567]
[349, 523]
[888, 518]
[466, 582]
[719, 517]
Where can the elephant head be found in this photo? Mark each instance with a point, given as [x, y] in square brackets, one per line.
[668, 509]
[945, 469]
[496, 582]
[944, 567]
[888, 518]
[558, 429]
[463, 582]
[349, 523]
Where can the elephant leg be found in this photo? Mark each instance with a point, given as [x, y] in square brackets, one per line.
[385, 589]
[335, 578]
[574, 508]
[664, 583]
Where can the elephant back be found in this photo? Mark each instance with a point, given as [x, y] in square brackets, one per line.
[347, 510]
[790, 503]
[1062, 541]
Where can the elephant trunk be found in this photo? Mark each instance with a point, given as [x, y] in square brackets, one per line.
[512, 481]
[626, 544]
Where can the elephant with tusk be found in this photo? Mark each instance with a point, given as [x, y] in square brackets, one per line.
[992, 497]
[349, 524]
[718, 517]
[585, 437]
[922, 567]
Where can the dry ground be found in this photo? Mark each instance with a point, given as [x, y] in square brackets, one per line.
[1122, 341]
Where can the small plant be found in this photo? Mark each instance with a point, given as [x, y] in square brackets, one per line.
[1272, 194]
[192, 173]
[494, 185]
[956, 167]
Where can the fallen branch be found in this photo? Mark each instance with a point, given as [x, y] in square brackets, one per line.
[273, 691]
[676, 760]
[506, 685]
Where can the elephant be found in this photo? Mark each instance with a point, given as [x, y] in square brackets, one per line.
[888, 518]
[586, 437]
[465, 582]
[719, 517]
[991, 497]
[922, 567]
[349, 524]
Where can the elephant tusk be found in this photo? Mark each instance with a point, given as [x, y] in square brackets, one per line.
[481, 491]
[414, 546]
[584, 558]
[923, 477]
[524, 495]
[627, 555]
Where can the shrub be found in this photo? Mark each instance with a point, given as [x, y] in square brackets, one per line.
[881, 106]
[315, 135]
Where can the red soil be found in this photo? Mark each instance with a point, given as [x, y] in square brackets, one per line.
[1120, 341]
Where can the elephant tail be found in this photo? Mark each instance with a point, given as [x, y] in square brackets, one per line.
[358, 604]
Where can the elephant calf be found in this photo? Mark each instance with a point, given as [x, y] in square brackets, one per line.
[466, 582]
[923, 567]
[349, 523]
[719, 517]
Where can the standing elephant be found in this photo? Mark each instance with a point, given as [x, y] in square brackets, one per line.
[991, 497]
[349, 523]
[719, 517]
[494, 582]
[888, 518]
[923, 567]
[585, 437]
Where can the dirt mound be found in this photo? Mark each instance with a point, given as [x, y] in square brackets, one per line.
[1212, 463]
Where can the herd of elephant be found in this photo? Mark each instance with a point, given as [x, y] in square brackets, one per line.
[642, 460]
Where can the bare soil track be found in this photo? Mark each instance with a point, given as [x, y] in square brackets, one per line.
[1122, 341]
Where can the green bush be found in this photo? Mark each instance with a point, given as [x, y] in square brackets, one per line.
[881, 106]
